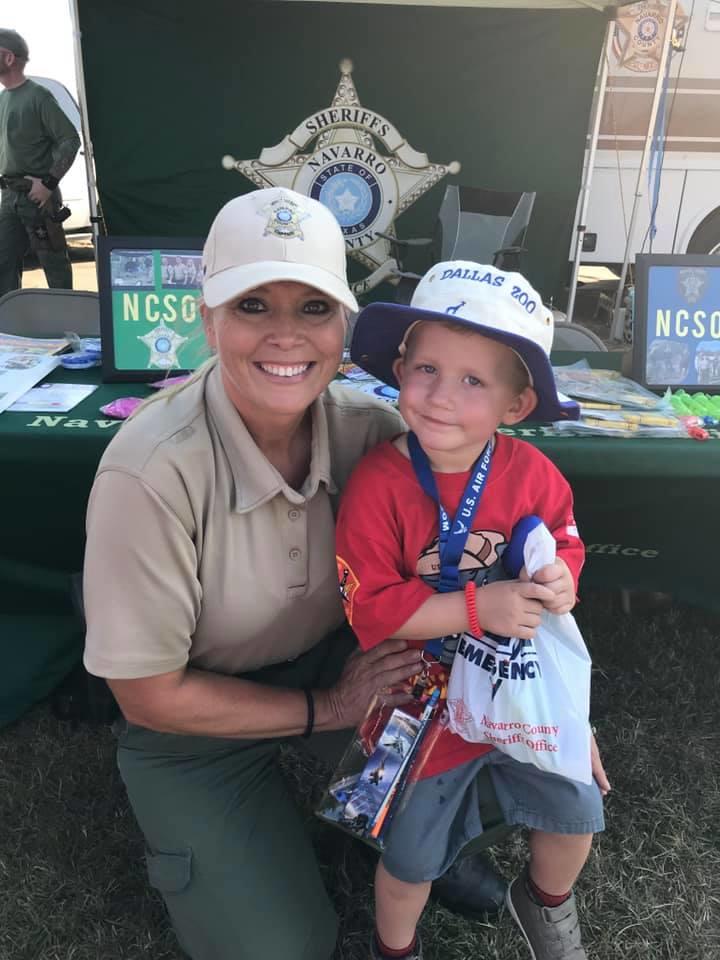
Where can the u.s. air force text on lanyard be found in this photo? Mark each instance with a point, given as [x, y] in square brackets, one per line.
[452, 535]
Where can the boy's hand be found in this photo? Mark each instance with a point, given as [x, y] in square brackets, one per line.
[598, 769]
[556, 577]
[512, 608]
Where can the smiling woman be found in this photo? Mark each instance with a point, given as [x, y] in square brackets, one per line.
[278, 346]
[211, 594]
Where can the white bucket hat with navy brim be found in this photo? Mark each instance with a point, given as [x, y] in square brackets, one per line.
[500, 305]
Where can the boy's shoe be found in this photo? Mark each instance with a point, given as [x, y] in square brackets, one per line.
[552, 933]
[375, 954]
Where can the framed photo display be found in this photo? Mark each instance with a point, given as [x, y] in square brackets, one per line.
[150, 320]
[676, 324]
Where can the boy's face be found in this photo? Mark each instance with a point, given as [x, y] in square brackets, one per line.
[455, 390]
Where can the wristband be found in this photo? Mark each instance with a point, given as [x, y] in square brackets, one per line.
[310, 713]
[473, 622]
[49, 181]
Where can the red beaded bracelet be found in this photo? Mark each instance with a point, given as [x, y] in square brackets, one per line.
[473, 622]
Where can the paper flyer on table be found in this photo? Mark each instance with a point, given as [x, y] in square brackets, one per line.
[21, 371]
[42, 345]
[52, 398]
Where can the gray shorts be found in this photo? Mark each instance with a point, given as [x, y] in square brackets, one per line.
[441, 814]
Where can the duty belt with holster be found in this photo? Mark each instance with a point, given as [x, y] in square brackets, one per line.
[47, 233]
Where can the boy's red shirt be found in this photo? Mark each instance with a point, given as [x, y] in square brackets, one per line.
[387, 534]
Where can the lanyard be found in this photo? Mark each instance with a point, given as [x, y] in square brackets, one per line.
[452, 534]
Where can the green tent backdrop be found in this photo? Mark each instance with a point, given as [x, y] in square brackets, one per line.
[172, 87]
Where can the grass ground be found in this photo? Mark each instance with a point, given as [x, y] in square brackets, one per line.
[72, 884]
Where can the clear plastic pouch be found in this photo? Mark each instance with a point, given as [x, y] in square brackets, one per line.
[384, 758]
[622, 423]
[580, 381]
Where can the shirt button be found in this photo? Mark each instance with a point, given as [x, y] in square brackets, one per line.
[295, 553]
[293, 514]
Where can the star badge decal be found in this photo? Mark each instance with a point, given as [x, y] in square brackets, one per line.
[163, 344]
[284, 218]
[639, 34]
[359, 165]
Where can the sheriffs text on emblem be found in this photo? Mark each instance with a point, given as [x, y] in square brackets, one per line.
[355, 162]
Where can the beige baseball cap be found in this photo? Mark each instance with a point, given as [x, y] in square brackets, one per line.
[274, 234]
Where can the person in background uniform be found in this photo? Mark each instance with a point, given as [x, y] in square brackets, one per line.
[38, 144]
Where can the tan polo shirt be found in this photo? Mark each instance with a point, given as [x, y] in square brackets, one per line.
[199, 552]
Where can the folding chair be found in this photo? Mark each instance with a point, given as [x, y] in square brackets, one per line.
[47, 313]
[573, 336]
[486, 226]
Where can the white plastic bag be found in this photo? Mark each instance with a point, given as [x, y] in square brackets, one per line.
[528, 698]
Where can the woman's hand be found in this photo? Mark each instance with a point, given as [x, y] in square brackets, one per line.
[387, 665]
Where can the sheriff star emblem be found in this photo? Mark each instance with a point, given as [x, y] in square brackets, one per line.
[692, 283]
[163, 344]
[284, 218]
[358, 164]
[639, 34]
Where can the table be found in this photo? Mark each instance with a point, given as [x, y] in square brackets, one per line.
[644, 510]
[47, 465]
[644, 506]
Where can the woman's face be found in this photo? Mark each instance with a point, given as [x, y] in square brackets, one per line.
[278, 345]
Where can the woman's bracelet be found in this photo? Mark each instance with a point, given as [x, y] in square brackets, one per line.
[310, 713]
[470, 604]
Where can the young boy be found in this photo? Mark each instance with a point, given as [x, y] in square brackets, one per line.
[469, 354]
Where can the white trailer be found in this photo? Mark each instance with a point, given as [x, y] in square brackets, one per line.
[687, 204]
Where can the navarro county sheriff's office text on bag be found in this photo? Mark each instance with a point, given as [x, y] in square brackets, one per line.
[535, 701]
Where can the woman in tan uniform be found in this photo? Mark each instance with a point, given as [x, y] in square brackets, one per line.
[211, 593]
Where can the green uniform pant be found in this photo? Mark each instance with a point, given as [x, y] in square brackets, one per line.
[22, 227]
[226, 846]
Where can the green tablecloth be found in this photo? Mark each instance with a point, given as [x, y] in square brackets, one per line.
[47, 465]
[643, 505]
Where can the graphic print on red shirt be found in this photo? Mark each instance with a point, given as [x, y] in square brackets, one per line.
[387, 545]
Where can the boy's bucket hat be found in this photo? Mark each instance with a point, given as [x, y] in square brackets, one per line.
[499, 305]
[274, 234]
